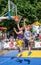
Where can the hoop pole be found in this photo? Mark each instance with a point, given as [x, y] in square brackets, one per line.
[9, 5]
[9, 15]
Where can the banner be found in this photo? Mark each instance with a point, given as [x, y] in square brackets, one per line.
[37, 44]
[10, 45]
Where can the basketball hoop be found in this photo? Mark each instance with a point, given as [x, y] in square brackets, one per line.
[17, 18]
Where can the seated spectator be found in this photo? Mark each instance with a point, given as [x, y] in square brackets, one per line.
[11, 37]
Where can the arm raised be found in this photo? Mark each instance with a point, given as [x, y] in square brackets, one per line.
[17, 32]
[20, 28]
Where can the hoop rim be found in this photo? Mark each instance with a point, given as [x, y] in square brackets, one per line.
[17, 16]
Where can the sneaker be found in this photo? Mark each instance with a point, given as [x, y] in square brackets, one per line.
[20, 55]
[29, 53]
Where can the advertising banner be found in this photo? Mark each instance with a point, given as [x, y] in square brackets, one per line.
[37, 44]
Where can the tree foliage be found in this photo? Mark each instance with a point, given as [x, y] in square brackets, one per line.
[30, 9]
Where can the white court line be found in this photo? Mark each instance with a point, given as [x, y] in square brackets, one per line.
[4, 61]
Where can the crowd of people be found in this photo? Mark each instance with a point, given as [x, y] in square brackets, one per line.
[24, 37]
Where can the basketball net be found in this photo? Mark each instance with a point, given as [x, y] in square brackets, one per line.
[17, 18]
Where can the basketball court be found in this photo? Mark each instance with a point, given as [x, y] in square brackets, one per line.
[11, 59]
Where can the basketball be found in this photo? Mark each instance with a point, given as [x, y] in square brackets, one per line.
[16, 20]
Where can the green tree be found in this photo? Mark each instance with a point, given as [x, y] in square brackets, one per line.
[30, 9]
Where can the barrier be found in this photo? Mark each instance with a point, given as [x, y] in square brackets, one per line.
[37, 44]
[9, 45]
